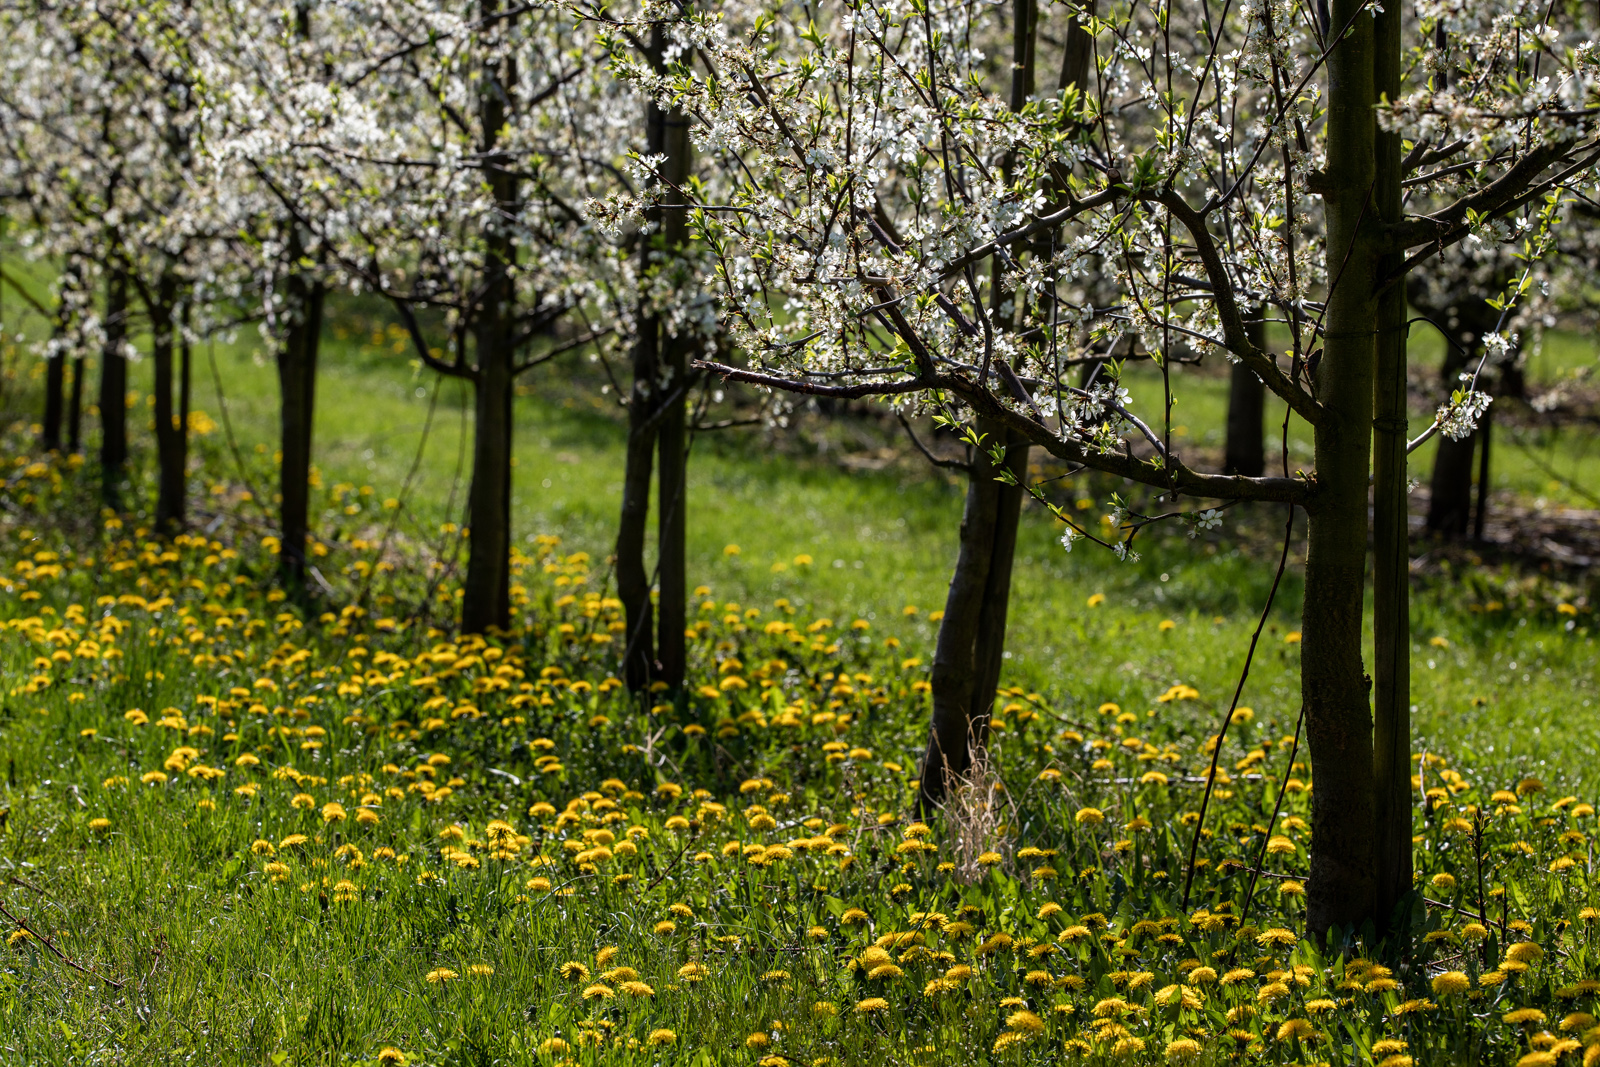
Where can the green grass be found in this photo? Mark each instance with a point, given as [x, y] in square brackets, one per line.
[223, 958]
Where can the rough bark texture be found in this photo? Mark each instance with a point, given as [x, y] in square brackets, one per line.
[633, 581]
[954, 674]
[1245, 451]
[672, 495]
[297, 384]
[171, 431]
[656, 417]
[1464, 322]
[486, 592]
[55, 373]
[1391, 588]
[1342, 889]
[990, 649]
[114, 390]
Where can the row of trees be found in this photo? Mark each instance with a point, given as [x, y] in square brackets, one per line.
[977, 213]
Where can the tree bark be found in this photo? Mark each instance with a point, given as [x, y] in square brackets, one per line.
[633, 581]
[171, 434]
[954, 677]
[672, 496]
[1245, 451]
[990, 648]
[55, 373]
[486, 593]
[75, 406]
[114, 391]
[657, 419]
[1342, 890]
[297, 383]
[1391, 572]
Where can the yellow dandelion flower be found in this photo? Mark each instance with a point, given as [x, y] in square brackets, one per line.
[1524, 1017]
[1296, 1030]
[1451, 982]
[1183, 1050]
[598, 991]
[661, 1037]
[390, 1056]
[870, 1005]
[440, 975]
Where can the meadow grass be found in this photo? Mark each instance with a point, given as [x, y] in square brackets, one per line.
[462, 807]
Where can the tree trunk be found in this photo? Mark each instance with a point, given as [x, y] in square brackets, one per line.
[486, 593]
[1245, 452]
[114, 391]
[297, 384]
[55, 373]
[954, 677]
[990, 649]
[1391, 571]
[75, 407]
[1450, 489]
[1343, 887]
[1486, 435]
[656, 416]
[672, 496]
[171, 454]
[633, 581]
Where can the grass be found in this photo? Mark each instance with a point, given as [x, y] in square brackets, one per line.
[231, 941]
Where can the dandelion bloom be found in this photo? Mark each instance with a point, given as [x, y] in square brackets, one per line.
[1451, 982]
[99, 826]
[872, 1004]
[598, 991]
[1525, 952]
[1296, 1030]
[1524, 1016]
[1090, 816]
[1183, 1050]
[573, 971]
[390, 1056]
[661, 1037]
[480, 970]
[989, 859]
[1025, 1022]
[638, 989]
[692, 972]
[1277, 936]
[440, 975]
[553, 1046]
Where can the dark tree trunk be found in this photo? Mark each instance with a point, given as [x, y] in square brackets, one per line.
[486, 594]
[1343, 885]
[1486, 435]
[1391, 572]
[633, 581]
[656, 417]
[114, 391]
[989, 652]
[1245, 452]
[55, 374]
[1450, 486]
[297, 384]
[171, 431]
[954, 676]
[1450, 489]
[75, 406]
[672, 495]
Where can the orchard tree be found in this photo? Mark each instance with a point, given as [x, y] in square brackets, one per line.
[441, 160]
[1220, 160]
